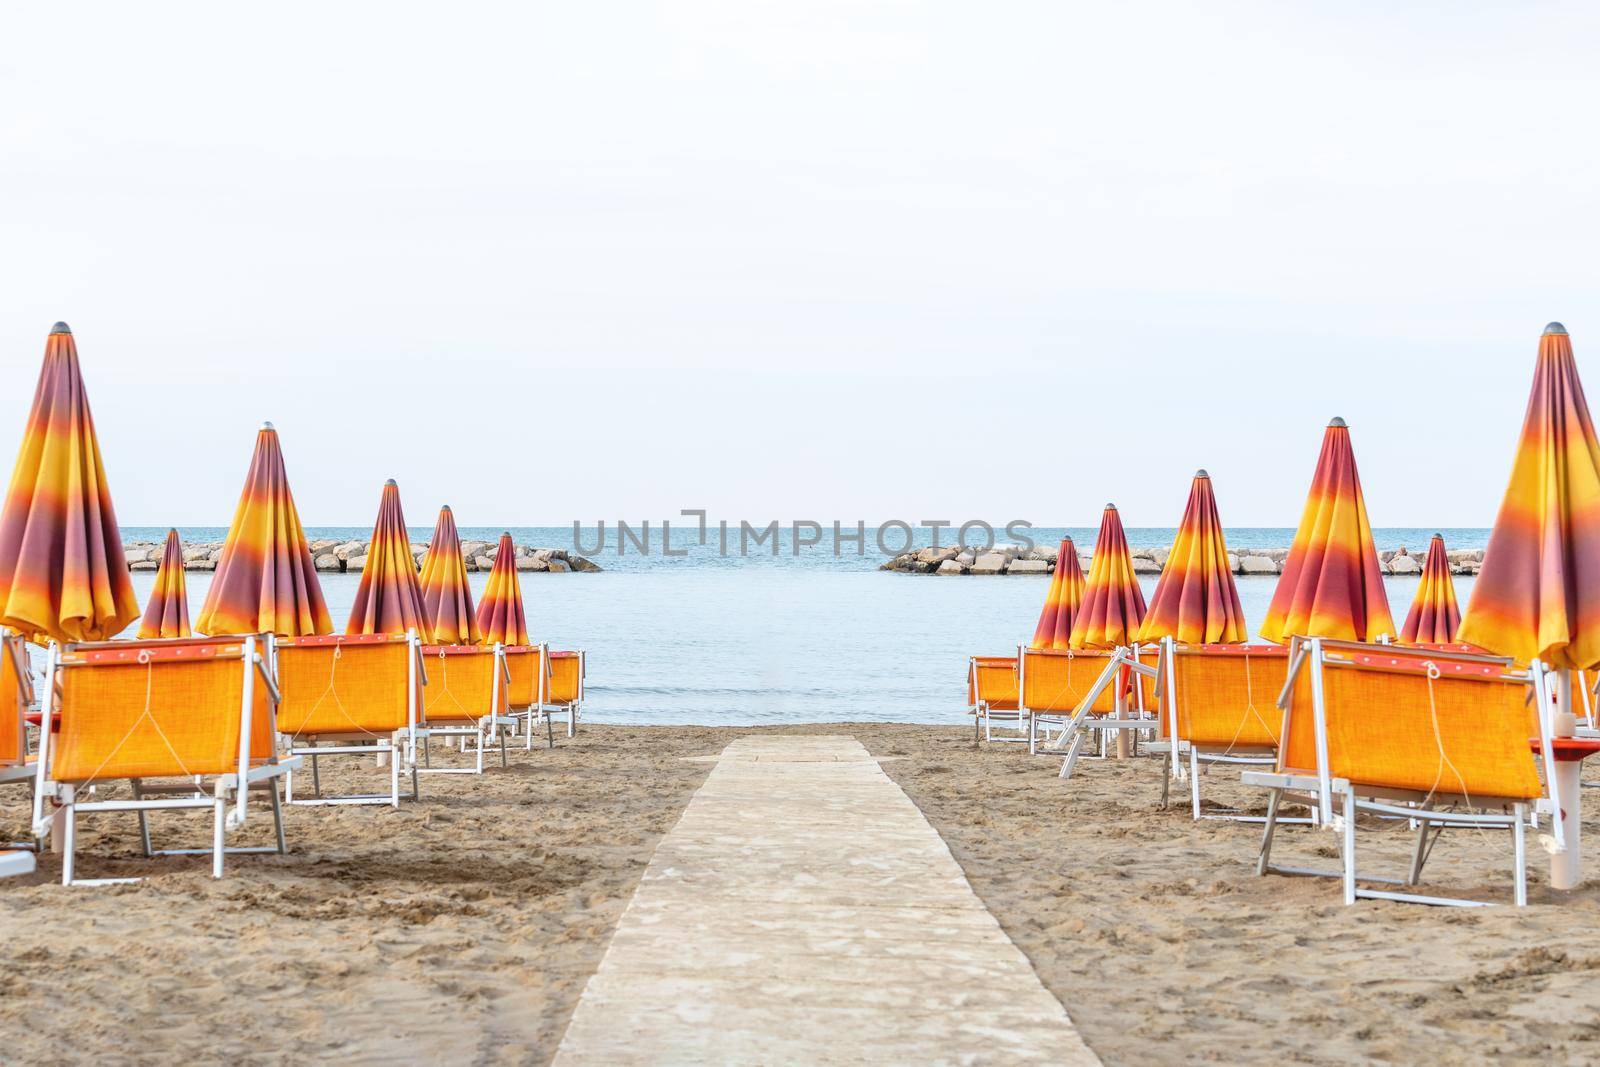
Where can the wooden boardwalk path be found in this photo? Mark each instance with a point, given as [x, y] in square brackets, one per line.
[803, 911]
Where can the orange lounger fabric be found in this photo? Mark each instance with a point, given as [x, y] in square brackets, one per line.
[995, 683]
[344, 685]
[1461, 733]
[565, 682]
[1057, 681]
[1228, 697]
[522, 664]
[125, 719]
[13, 703]
[461, 683]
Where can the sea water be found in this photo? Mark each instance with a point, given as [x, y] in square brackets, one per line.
[707, 639]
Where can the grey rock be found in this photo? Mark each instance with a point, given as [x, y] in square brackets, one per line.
[528, 563]
[353, 564]
[950, 566]
[990, 563]
[1145, 565]
[558, 566]
[1028, 566]
[327, 561]
[1233, 562]
[1258, 565]
[578, 563]
[966, 559]
[144, 565]
[1404, 565]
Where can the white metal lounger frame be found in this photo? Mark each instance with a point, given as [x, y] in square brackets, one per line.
[486, 726]
[1321, 788]
[985, 717]
[1174, 749]
[147, 797]
[1075, 731]
[401, 745]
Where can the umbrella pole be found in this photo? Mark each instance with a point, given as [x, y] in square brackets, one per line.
[1564, 864]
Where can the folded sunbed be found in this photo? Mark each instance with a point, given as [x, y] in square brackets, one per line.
[1440, 738]
[16, 693]
[1083, 692]
[200, 711]
[351, 694]
[541, 685]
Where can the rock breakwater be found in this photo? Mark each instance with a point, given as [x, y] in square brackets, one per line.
[1018, 559]
[333, 557]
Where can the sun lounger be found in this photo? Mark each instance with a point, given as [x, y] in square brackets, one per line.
[544, 684]
[1078, 692]
[992, 698]
[1437, 738]
[16, 693]
[1218, 704]
[465, 699]
[199, 710]
[352, 694]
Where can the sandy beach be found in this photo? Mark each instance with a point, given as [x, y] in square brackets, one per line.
[464, 928]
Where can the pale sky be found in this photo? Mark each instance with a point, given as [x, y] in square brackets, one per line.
[826, 260]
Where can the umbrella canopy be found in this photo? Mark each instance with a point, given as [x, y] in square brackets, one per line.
[389, 600]
[500, 616]
[265, 580]
[1195, 599]
[446, 596]
[1332, 583]
[1434, 617]
[63, 574]
[1538, 595]
[1113, 604]
[167, 612]
[1061, 601]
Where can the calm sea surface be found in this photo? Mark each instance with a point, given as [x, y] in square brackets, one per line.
[763, 639]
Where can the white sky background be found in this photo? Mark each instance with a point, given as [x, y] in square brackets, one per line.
[802, 260]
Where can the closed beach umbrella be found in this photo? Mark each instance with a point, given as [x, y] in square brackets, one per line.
[1061, 601]
[446, 596]
[1538, 594]
[1113, 604]
[389, 600]
[1332, 583]
[501, 619]
[265, 581]
[1434, 617]
[63, 573]
[166, 614]
[1195, 599]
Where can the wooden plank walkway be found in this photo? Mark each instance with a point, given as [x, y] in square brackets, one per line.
[803, 911]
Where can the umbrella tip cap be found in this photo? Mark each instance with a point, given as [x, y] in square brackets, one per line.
[61, 327]
[1336, 423]
[1554, 327]
[392, 482]
[1201, 473]
[269, 427]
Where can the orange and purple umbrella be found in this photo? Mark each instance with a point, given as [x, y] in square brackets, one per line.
[1538, 594]
[446, 596]
[1113, 603]
[1061, 601]
[501, 619]
[63, 574]
[389, 599]
[1196, 600]
[1434, 617]
[265, 580]
[1332, 583]
[166, 613]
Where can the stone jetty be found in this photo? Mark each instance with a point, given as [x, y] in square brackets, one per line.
[340, 556]
[1017, 559]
